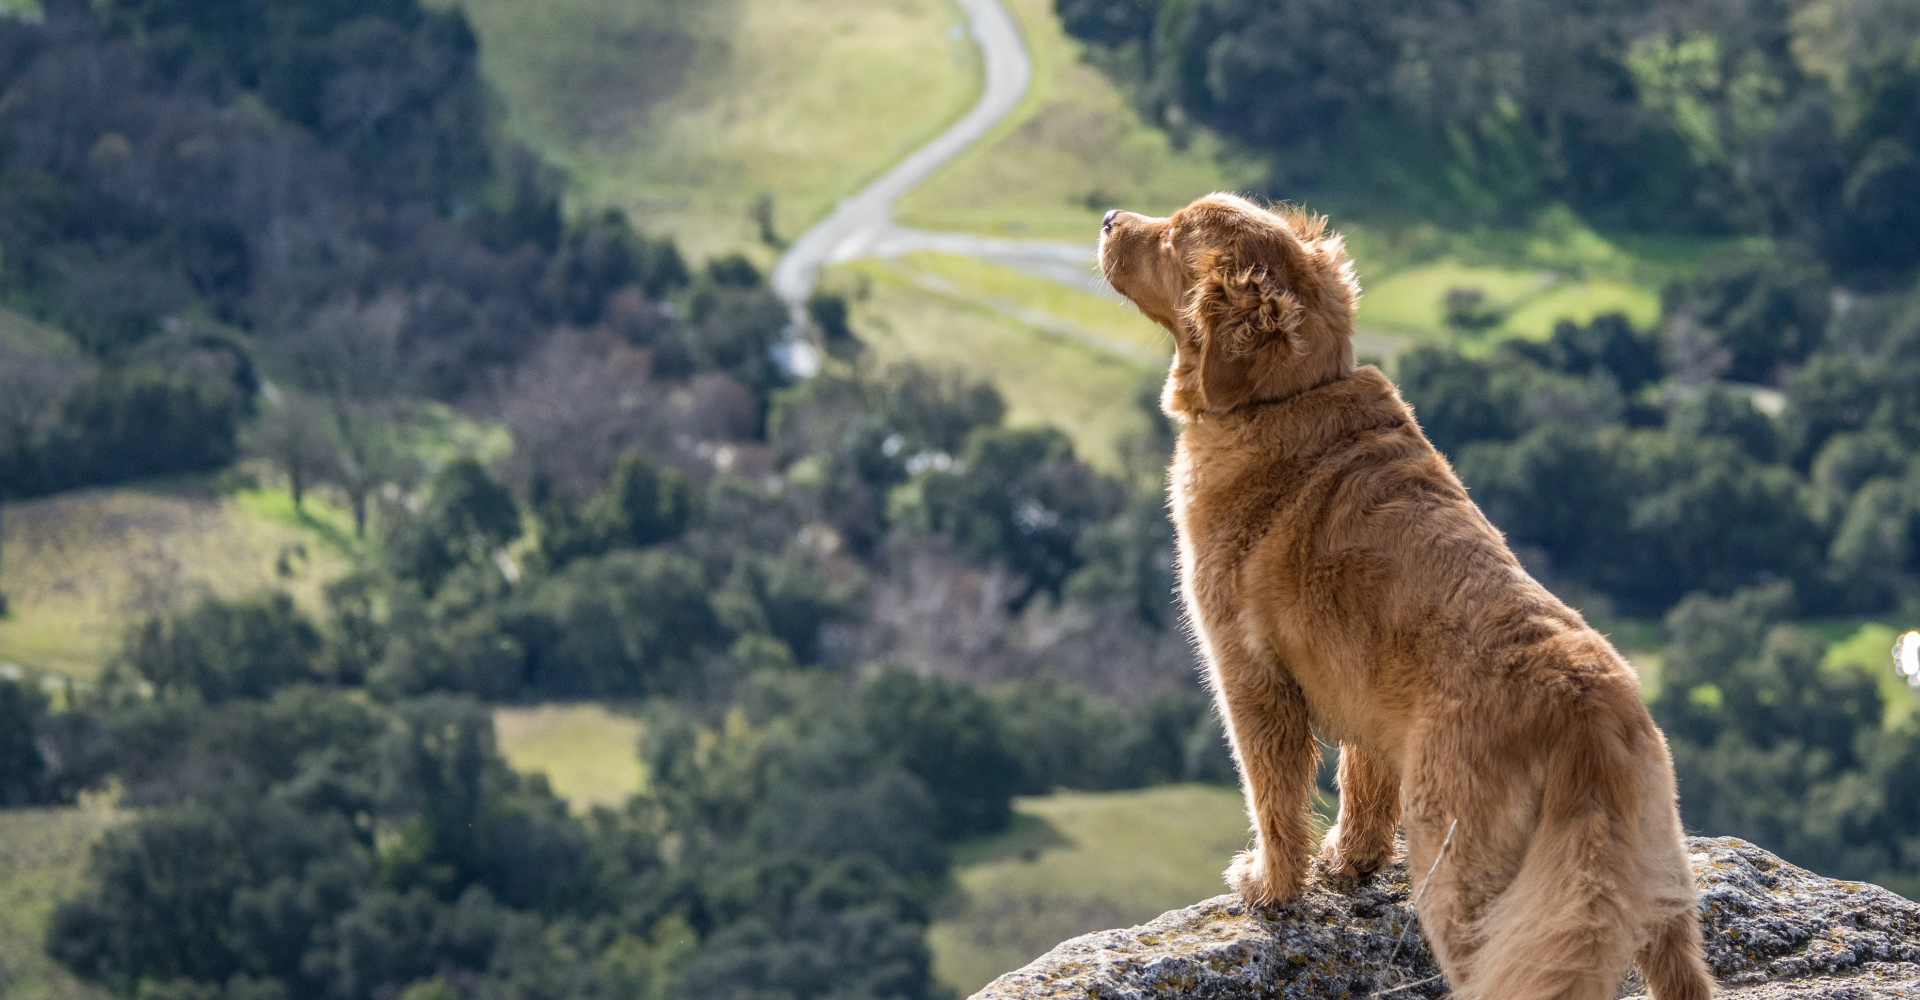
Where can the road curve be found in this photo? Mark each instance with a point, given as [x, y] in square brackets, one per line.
[857, 220]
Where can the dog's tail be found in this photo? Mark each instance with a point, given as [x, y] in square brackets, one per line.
[1591, 889]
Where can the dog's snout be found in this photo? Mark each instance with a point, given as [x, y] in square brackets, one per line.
[1106, 221]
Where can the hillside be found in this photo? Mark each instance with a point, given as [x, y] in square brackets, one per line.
[1079, 862]
[79, 567]
[690, 140]
[687, 114]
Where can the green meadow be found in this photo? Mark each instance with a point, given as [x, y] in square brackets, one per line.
[1076, 862]
[79, 567]
[687, 114]
[589, 752]
[41, 854]
[1055, 372]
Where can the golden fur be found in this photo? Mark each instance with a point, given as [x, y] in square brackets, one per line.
[1338, 578]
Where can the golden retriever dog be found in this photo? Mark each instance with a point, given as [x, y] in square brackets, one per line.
[1338, 578]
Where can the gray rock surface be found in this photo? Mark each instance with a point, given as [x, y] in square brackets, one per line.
[1771, 930]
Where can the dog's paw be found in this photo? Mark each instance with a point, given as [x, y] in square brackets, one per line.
[1346, 857]
[1257, 883]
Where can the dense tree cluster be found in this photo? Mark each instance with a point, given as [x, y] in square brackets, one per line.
[295, 838]
[184, 187]
[320, 809]
[315, 844]
[1607, 464]
[1772, 745]
[1794, 120]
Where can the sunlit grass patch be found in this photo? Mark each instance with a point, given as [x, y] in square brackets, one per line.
[1557, 269]
[43, 853]
[1087, 309]
[79, 567]
[328, 523]
[1047, 377]
[1580, 302]
[686, 113]
[1078, 862]
[1413, 301]
[439, 434]
[1529, 303]
[589, 752]
[1073, 149]
[1869, 647]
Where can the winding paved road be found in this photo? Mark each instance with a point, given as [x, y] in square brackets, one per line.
[862, 225]
[858, 221]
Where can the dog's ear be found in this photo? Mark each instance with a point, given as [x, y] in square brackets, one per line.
[1239, 313]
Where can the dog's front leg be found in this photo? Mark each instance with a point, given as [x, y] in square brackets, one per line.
[1273, 745]
[1361, 843]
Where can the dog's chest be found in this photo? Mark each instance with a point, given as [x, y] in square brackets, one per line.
[1222, 516]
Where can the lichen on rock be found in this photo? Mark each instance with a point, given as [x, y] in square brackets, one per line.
[1771, 930]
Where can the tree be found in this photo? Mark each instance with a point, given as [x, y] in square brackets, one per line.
[1608, 343]
[468, 515]
[1018, 496]
[598, 257]
[950, 738]
[349, 359]
[32, 383]
[575, 405]
[1455, 397]
[220, 650]
[622, 625]
[293, 434]
[1768, 310]
[735, 323]
[22, 768]
[643, 505]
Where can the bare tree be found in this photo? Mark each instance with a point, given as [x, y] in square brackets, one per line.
[575, 405]
[350, 358]
[293, 433]
[935, 613]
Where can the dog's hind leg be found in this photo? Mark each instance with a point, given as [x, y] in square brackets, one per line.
[1361, 843]
[1266, 718]
[1672, 963]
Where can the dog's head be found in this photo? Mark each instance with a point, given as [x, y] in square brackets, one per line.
[1260, 303]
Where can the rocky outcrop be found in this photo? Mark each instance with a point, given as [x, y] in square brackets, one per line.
[1771, 930]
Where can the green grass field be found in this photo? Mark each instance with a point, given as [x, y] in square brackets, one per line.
[589, 752]
[1868, 646]
[42, 853]
[1078, 862]
[684, 113]
[1062, 377]
[80, 566]
[1107, 320]
[1557, 269]
[1412, 302]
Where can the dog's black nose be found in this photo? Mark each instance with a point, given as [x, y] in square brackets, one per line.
[1106, 222]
